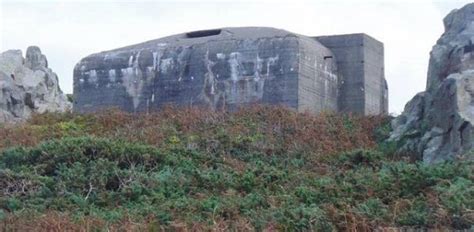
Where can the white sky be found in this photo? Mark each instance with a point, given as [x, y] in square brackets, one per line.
[67, 31]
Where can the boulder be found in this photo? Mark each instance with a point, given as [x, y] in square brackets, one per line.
[28, 86]
[436, 125]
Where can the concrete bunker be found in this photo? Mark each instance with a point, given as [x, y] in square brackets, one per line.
[232, 67]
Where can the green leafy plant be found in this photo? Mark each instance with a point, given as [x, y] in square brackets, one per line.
[261, 168]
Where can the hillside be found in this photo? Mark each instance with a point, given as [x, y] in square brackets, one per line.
[260, 168]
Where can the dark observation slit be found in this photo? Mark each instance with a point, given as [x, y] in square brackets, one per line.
[203, 33]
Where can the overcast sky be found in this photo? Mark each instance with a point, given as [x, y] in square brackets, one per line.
[67, 31]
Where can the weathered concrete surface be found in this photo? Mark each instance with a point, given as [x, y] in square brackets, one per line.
[237, 66]
[437, 124]
[227, 67]
[28, 86]
[360, 62]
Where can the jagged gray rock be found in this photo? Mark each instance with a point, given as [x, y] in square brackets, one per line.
[28, 86]
[437, 124]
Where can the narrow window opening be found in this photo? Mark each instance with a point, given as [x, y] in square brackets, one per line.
[327, 57]
[204, 33]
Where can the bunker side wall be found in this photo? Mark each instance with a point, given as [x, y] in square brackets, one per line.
[317, 81]
[376, 92]
[360, 64]
[349, 52]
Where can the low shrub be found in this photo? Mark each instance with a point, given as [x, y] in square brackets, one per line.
[255, 169]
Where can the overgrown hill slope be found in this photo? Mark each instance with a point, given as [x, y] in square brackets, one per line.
[261, 168]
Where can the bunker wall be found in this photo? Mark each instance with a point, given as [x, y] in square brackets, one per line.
[376, 92]
[220, 73]
[317, 82]
[360, 64]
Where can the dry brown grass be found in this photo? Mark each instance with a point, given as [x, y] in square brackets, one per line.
[266, 129]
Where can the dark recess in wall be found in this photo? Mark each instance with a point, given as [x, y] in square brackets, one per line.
[203, 33]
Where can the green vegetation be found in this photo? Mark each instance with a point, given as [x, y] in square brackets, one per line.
[255, 169]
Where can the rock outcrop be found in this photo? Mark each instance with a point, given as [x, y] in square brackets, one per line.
[28, 86]
[437, 124]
